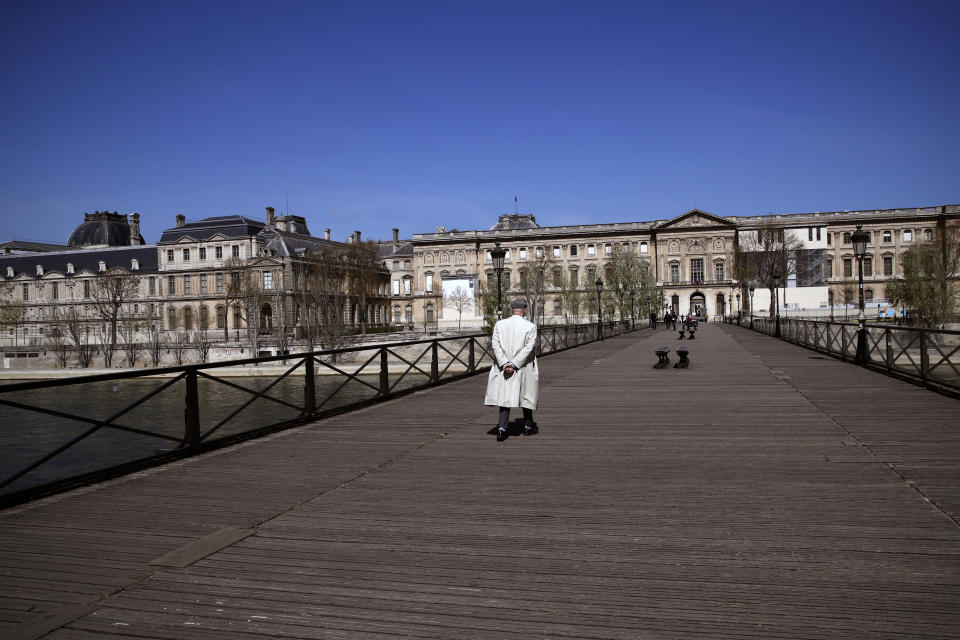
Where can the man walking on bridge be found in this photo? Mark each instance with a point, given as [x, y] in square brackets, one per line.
[514, 378]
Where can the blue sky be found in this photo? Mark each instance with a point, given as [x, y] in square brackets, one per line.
[370, 115]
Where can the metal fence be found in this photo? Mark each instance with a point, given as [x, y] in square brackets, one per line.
[59, 434]
[928, 356]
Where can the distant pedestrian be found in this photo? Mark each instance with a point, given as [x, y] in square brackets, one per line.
[514, 378]
[653, 320]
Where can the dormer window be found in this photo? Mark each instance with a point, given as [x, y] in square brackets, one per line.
[69, 268]
[103, 266]
[9, 272]
[134, 264]
[39, 269]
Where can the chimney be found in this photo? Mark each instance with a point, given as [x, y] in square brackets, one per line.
[135, 238]
[396, 239]
[356, 237]
[326, 234]
[270, 216]
[181, 220]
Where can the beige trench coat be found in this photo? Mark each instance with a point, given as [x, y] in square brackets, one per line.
[514, 340]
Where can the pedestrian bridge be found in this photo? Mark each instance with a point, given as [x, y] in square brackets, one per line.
[767, 491]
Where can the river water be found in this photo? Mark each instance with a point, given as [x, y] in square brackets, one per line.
[26, 436]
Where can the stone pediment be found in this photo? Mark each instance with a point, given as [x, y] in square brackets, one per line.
[695, 218]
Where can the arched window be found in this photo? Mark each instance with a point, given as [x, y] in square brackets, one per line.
[409, 313]
[188, 318]
[557, 277]
[591, 276]
[396, 313]
[429, 313]
[266, 318]
[171, 318]
[848, 296]
[204, 316]
[557, 308]
[221, 317]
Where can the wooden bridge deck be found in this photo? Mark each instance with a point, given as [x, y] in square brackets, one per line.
[766, 492]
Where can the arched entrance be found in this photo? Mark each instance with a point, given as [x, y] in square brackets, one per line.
[675, 304]
[698, 305]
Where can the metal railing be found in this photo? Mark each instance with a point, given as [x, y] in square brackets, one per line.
[63, 433]
[927, 356]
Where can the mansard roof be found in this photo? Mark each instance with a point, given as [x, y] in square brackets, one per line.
[81, 259]
[403, 250]
[234, 227]
[27, 246]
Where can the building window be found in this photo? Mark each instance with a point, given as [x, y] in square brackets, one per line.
[908, 235]
[171, 285]
[406, 264]
[809, 233]
[406, 286]
[829, 239]
[888, 265]
[868, 295]
[171, 318]
[203, 253]
[396, 313]
[556, 252]
[674, 273]
[928, 234]
[396, 288]
[643, 247]
[887, 235]
[186, 286]
[169, 255]
[188, 318]
[221, 317]
[237, 317]
[539, 252]
[848, 267]
[523, 253]
[828, 267]
[557, 277]
[409, 313]
[608, 249]
[868, 265]
[429, 313]
[719, 270]
[591, 250]
[203, 283]
[574, 278]
[186, 256]
[86, 288]
[696, 270]
[818, 233]
[846, 237]
[55, 292]
[218, 254]
[235, 250]
[219, 277]
[429, 282]
[573, 250]
[152, 286]
[25, 291]
[268, 280]
[591, 276]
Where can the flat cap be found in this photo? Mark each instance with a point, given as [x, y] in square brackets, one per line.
[518, 303]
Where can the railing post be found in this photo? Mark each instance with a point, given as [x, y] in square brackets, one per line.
[434, 363]
[889, 340]
[191, 432]
[924, 356]
[843, 342]
[384, 373]
[309, 387]
[471, 361]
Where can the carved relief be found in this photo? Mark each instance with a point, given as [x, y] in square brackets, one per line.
[461, 258]
[428, 258]
[674, 246]
[696, 246]
[444, 258]
[718, 244]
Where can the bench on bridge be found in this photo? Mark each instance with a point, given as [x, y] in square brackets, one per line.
[684, 353]
[663, 359]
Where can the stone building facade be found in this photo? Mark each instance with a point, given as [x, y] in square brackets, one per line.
[691, 255]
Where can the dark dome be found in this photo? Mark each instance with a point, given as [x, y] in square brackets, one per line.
[101, 228]
[515, 221]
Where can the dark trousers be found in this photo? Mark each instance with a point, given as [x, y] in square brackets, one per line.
[505, 417]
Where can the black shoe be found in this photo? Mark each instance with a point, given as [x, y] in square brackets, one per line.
[502, 434]
[493, 431]
[531, 430]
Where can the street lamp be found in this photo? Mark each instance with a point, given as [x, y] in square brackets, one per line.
[599, 310]
[498, 254]
[751, 305]
[776, 297]
[738, 309]
[860, 238]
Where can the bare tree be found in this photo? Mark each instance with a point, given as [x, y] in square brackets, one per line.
[180, 343]
[928, 288]
[627, 272]
[365, 271]
[570, 296]
[769, 254]
[324, 297]
[234, 291]
[129, 330]
[459, 300]
[78, 332]
[56, 338]
[155, 340]
[536, 281]
[12, 313]
[110, 291]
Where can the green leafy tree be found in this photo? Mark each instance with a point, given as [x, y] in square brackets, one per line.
[928, 288]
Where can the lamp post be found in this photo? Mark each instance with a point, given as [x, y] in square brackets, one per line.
[776, 297]
[498, 254]
[859, 240]
[633, 320]
[751, 305]
[738, 309]
[599, 309]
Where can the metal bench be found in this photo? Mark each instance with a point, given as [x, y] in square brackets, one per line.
[663, 359]
[684, 353]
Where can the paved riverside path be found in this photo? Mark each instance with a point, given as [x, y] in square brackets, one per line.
[763, 493]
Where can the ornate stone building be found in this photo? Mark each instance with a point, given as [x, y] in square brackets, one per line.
[691, 255]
